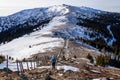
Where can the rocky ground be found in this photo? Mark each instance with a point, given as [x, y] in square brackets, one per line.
[86, 70]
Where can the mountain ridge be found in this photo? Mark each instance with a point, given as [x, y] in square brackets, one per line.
[92, 22]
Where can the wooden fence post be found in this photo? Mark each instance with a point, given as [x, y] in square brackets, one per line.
[31, 64]
[17, 67]
[34, 64]
[7, 65]
[22, 66]
[27, 65]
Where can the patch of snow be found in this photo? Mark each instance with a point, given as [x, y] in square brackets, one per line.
[19, 48]
[90, 64]
[95, 71]
[58, 10]
[111, 67]
[113, 38]
[83, 59]
[66, 68]
[47, 67]
[60, 74]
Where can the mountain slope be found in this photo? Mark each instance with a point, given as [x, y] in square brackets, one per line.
[97, 28]
[27, 20]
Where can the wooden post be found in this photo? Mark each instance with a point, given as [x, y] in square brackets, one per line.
[31, 64]
[7, 65]
[27, 65]
[37, 62]
[34, 64]
[17, 67]
[44, 59]
[22, 66]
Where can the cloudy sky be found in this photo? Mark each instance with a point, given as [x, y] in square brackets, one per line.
[8, 7]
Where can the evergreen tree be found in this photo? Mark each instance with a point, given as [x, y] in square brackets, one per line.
[90, 58]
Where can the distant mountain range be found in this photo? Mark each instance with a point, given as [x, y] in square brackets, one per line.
[95, 27]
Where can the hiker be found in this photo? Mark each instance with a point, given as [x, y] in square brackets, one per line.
[54, 59]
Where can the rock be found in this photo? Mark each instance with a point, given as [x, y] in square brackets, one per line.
[47, 77]
[69, 71]
[17, 78]
[2, 74]
[50, 73]
[23, 77]
[7, 70]
[105, 78]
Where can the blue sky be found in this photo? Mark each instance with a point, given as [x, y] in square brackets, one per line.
[8, 7]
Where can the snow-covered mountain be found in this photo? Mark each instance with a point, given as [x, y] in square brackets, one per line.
[92, 26]
[38, 15]
[25, 21]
